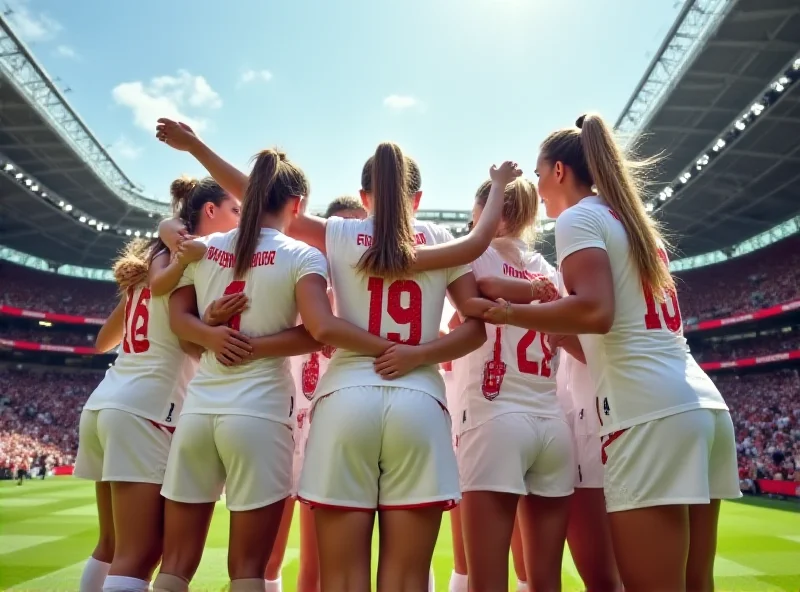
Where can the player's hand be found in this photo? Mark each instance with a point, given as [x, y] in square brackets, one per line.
[189, 251]
[176, 134]
[229, 346]
[542, 289]
[505, 173]
[224, 309]
[397, 361]
[498, 314]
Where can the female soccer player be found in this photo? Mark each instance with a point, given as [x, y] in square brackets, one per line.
[235, 428]
[395, 455]
[514, 444]
[126, 425]
[588, 533]
[668, 446]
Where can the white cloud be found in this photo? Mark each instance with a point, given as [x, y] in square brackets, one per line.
[249, 76]
[168, 96]
[65, 51]
[400, 102]
[125, 149]
[30, 25]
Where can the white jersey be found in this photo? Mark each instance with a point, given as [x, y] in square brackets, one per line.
[404, 311]
[514, 371]
[642, 368]
[150, 374]
[576, 393]
[307, 370]
[260, 388]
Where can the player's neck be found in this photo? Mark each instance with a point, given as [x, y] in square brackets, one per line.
[273, 221]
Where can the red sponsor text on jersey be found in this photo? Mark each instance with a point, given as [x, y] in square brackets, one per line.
[516, 273]
[227, 260]
[365, 240]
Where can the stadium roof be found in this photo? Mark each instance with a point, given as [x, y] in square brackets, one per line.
[738, 85]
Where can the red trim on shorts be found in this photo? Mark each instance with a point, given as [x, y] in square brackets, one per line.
[446, 506]
[611, 437]
[317, 505]
[160, 426]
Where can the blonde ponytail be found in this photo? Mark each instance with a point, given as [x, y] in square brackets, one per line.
[520, 210]
[596, 160]
[617, 182]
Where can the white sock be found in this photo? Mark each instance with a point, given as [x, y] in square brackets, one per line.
[169, 583]
[431, 582]
[248, 585]
[458, 583]
[93, 576]
[273, 585]
[125, 584]
[522, 586]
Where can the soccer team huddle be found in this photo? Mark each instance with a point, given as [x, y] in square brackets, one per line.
[366, 363]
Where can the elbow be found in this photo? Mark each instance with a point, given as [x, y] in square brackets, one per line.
[477, 335]
[156, 289]
[486, 286]
[602, 320]
[319, 330]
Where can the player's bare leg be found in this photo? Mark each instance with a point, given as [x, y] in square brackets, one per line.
[275, 562]
[543, 522]
[648, 562]
[185, 532]
[252, 537]
[96, 568]
[139, 527]
[589, 539]
[518, 552]
[458, 580]
[308, 574]
[488, 521]
[407, 540]
[344, 539]
[703, 521]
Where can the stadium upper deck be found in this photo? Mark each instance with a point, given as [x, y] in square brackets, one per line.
[724, 77]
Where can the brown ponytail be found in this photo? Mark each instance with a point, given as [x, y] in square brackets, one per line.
[392, 252]
[273, 180]
[596, 159]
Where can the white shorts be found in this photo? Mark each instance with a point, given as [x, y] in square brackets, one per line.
[518, 453]
[588, 459]
[300, 438]
[687, 458]
[116, 445]
[250, 457]
[379, 447]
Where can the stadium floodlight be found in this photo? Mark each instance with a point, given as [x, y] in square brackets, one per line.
[669, 191]
[757, 109]
[28, 182]
[148, 234]
[44, 194]
[8, 167]
[778, 87]
[18, 176]
[685, 177]
[128, 232]
[34, 188]
[550, 226]
[137, 234]
[662, 196]
[784, 80]
[740, 125]
[67, 208]
[649, 207]
[92, 222]
[82, 219]
[61, 204]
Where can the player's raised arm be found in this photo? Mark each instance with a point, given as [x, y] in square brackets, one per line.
[180, 136]
[308, 228]
[464, 250]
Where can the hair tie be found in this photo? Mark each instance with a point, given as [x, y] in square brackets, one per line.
[579, 121]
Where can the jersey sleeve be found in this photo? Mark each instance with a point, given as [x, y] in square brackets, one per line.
[310, 261]
[334, 232]
[578, 228]
[453, 273]
[187, 279]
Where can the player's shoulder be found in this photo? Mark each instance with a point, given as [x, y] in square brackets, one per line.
[221, 240]
[297, 247]
[538, 264]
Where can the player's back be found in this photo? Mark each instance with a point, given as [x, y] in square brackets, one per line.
[642, 368]
[405, 311]
[150, 374]
[514, 371]
[263, 387]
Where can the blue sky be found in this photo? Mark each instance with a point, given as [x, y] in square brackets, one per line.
[458, 84]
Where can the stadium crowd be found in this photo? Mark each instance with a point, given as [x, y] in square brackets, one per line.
[761, 279]
[720, 351]
[76, 337]
[39, 413]
[766, 414]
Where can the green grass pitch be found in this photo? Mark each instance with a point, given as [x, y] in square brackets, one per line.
[48, 529]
